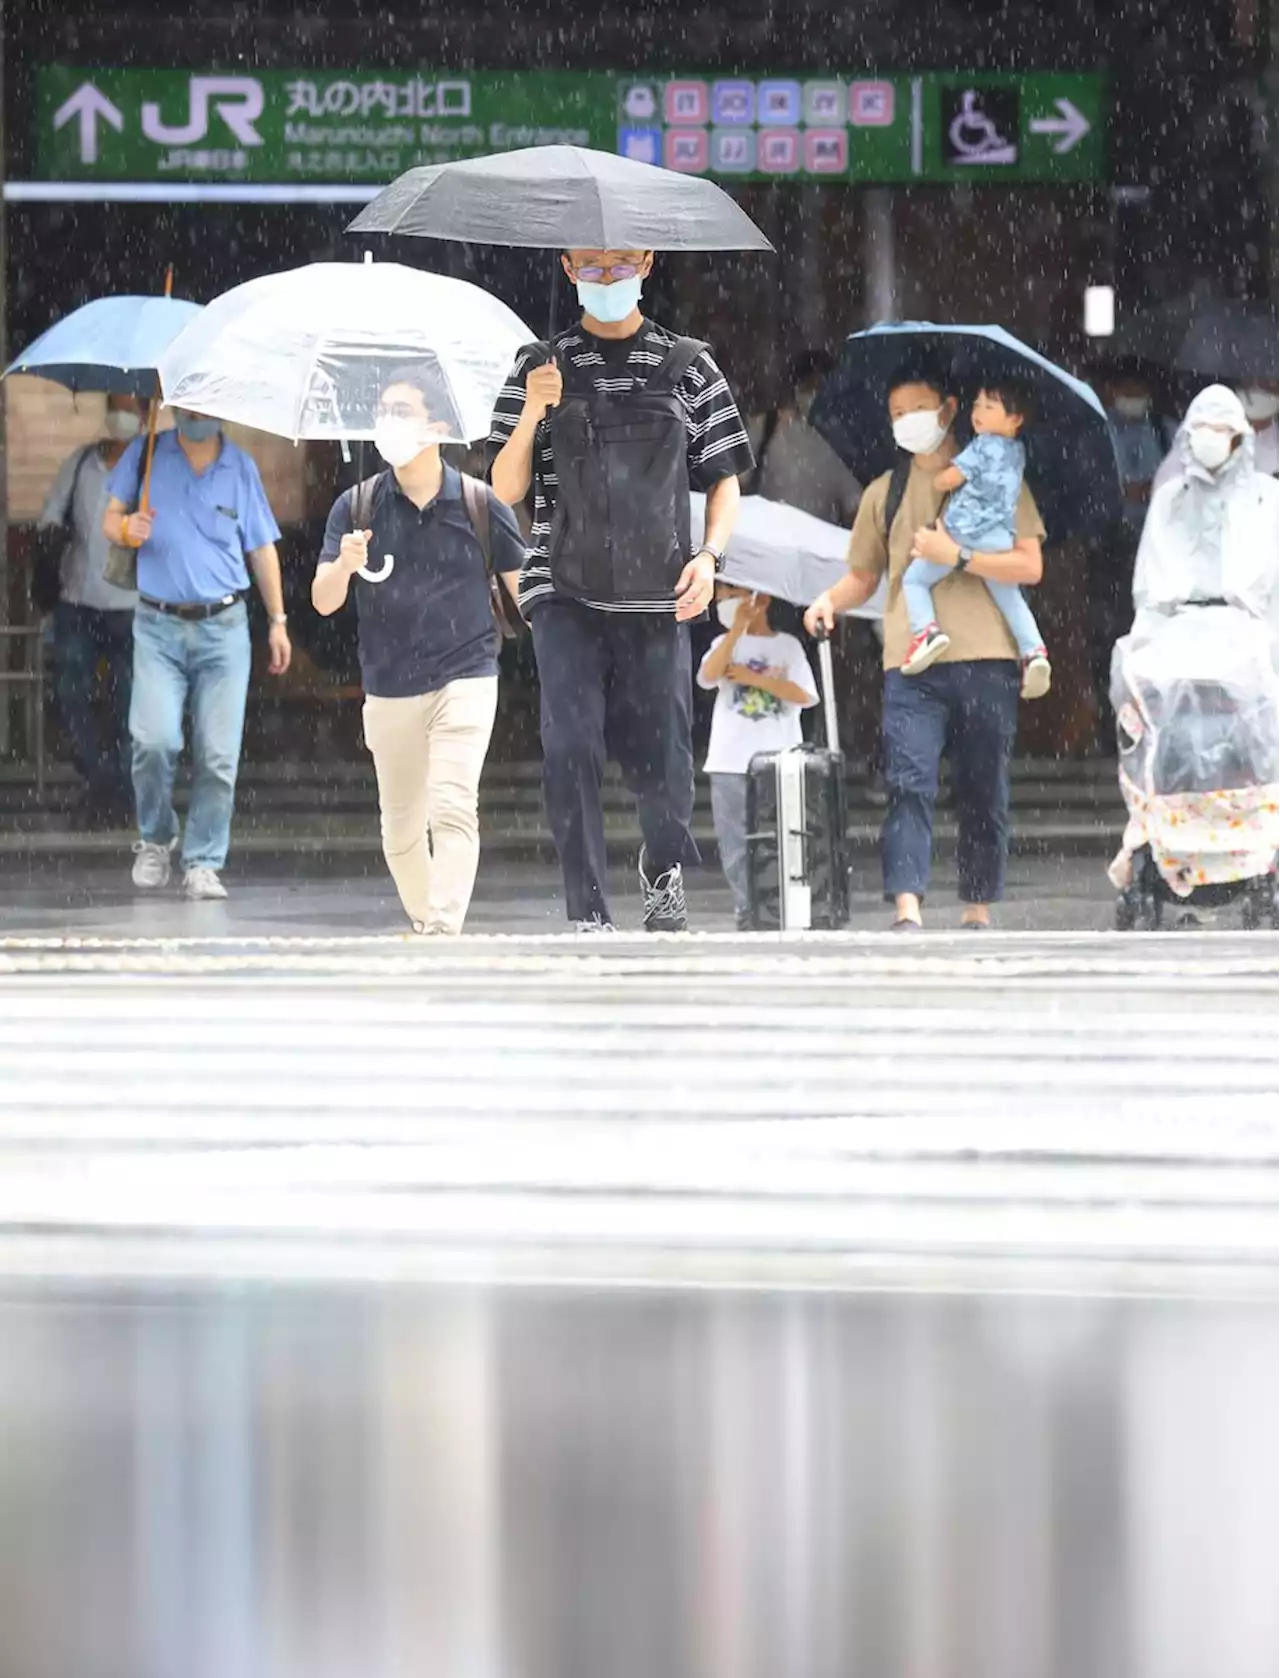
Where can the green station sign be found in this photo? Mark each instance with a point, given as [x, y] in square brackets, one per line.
[279, 128]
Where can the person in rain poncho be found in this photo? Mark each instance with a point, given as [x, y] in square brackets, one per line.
[1195, 681]
[1211, 532]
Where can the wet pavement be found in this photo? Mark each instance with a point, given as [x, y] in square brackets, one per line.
[318, 896]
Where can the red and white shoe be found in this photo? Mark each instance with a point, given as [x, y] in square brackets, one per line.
[1037, 674]
[929, 645]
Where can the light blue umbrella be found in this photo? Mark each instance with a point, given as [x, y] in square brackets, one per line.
[112, 344]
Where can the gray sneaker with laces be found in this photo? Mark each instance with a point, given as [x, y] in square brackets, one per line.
[152, 865]
[665, 909]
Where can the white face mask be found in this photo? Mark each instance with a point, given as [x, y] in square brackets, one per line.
[1212, 449]
[727, 611]
[1260, 406]
[920, 433]
[122, 424]
[1133, 407]
[399, 441]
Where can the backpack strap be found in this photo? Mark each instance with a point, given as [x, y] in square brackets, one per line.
[679, 359]
[361, 501]
[475, 498]
[506, 614]
[898, 481]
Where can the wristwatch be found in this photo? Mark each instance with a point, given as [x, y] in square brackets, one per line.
[715, 554]
[963, 558]
[278, 619]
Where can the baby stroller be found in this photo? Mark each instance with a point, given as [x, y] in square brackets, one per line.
[1195, 694]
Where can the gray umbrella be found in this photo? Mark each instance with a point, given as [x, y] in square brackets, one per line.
[559, 197]
[1230, 341]
[1153, 334]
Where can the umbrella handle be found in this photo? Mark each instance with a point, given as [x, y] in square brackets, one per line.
[153, 414]
[388, 566]
[552, 299]
[144, 498]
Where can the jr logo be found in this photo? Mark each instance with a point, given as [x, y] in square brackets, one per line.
[238, 101]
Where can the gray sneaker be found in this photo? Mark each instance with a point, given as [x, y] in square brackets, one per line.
[152, 865]
[596, 923]
[665, 909]
[202, 885]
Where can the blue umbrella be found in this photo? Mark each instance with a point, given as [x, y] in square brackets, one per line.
[1071, 458]
[111, 344]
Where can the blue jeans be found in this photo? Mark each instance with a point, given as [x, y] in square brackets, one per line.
[969, 711]
[204, 665]
[922, 576]
[83, 638]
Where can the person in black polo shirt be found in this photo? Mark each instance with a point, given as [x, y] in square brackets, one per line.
[610, 432]
[428, 649]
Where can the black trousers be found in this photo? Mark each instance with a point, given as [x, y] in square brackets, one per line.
[614, 685]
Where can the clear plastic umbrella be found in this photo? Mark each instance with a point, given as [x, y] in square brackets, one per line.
[305, 353]
[784, 552]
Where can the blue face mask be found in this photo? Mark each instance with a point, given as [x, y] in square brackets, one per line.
[196, 428]
[611, 303]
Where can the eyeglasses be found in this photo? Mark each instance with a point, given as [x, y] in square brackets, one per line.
[615, 271]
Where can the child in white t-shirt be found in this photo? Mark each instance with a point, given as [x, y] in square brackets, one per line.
[762, 682]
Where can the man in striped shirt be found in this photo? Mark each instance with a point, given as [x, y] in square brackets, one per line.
[615, 669]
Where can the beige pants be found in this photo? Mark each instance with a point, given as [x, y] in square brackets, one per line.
[428, 752]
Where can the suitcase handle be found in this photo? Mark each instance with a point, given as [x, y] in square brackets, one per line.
[826, 680]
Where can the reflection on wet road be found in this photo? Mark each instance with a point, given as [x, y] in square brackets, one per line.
[734, 1309]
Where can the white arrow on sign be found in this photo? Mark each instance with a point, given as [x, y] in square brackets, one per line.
[91, 107]
[1071, 127]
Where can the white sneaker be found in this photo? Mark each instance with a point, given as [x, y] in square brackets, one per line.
[597, 923]
[1037, 674]
[202, 884]
[152, 865]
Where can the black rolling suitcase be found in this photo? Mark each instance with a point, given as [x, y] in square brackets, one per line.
[797, 822]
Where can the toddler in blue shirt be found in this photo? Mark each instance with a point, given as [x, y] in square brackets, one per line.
[984, 482]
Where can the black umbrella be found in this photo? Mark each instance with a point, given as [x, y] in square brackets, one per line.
[1229, 340]
[1071, 459]
[559, 198]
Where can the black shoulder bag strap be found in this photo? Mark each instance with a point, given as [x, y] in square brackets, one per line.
[67, 521]
[475, 498]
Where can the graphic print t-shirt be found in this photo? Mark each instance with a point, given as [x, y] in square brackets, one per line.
[748, 720]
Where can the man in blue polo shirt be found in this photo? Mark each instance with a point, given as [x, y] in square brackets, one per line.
[428, 646]
[208, 517]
